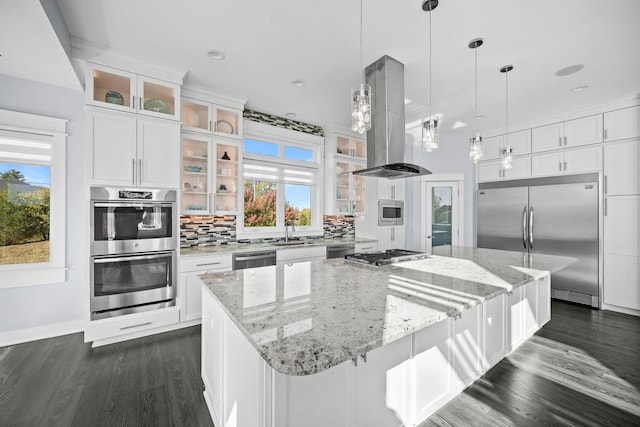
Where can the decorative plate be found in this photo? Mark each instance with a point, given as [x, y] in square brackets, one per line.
[156, 105]
[224, 126]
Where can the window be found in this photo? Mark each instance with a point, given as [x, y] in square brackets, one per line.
[32, 199]
[282, 182]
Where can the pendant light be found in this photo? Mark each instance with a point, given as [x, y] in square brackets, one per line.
[476, 150]
[506, 153]
[361, 97]
[430, 126]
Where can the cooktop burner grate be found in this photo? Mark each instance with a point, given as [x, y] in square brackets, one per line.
[389, 256]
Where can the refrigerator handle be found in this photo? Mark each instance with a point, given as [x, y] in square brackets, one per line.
[524, 227]
[531, 227]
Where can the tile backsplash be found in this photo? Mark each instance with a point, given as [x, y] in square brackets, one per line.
[206, 230]
[336, 226]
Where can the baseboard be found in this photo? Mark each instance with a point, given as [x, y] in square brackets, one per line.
[619, 309]
[144, 333]
[40, 332]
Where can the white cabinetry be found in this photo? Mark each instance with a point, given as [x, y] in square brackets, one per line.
[493, 171]
[391, 189]
[622, 251]
[621, 174]
[366, 247]
[129, 326]
[344, 192]
[132, 93]
[467, 347]
[207, 117]
[129, 151]
[587, 159]
[520, 143]
[583, 131]
[391, 237]
[622, 124]
[189, 296]
[301, 253]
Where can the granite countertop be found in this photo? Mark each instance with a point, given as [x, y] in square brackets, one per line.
[306, 317]
[259, 246]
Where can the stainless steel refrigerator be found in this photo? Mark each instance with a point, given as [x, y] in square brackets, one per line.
[556, 216]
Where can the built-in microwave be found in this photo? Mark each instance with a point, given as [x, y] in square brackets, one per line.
[390, 212]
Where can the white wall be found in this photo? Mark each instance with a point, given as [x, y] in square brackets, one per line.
[31, 311]
[451, 157]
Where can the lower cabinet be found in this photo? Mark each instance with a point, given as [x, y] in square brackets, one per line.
[189, 297]
[105, 331]
[399, 384]
[391, 237]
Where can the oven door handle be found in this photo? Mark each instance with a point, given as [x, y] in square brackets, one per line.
[132, 205]
[131, 258]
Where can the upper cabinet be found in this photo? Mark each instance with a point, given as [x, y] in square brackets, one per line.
[206, 117]
[621, 175]
[622, 124]
[391, 189]
[520, 143]
[133, 93]
[344, 192]
[573, 133]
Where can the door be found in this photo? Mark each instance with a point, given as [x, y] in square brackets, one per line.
[158, 154]
[565, 222]
[113, 149]
[442, 217]
[501, 218]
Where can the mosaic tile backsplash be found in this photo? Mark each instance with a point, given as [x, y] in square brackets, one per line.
[207, 230]
[281, 122]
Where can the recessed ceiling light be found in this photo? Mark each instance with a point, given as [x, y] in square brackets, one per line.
[298, 83]
[458, 124]
[218, 55]
[579, 88]
[478, 117]
[571, 69]
[290, 115]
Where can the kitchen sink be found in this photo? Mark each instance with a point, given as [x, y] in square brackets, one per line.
[290, 243]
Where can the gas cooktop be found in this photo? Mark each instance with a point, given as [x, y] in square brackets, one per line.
[389, 256]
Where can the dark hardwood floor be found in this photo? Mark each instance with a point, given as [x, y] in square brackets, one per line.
[582, 369]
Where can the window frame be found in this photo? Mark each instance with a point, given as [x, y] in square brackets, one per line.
[53, 271]
[284, 137]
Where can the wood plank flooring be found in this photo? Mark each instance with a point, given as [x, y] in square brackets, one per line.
[581, 369]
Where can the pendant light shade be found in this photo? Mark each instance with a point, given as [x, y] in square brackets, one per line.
[476, 149]
[361, 97]
[506, 152]
[430, 125]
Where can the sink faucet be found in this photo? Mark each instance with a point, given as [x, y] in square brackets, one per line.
[288, 223]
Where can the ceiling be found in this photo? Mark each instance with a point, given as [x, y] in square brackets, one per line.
[268, 44]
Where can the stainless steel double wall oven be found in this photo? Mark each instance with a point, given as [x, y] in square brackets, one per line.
[133, 250]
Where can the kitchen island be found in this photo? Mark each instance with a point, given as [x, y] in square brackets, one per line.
[342, 344]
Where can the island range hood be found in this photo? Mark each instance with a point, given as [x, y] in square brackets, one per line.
[386, 138]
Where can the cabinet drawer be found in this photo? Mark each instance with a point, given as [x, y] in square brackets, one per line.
[366, 247]
[211, 262]
[301, 254]
[130, 323]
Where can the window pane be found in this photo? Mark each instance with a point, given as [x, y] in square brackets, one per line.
[259, 203]
[296, 153]
[24, 213]
[260, 147]
[297, 205]
[441, 225]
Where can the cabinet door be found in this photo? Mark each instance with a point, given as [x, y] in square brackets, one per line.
[227, 121]
[546, 138]
[494, 331]
[621, 162]
[196, 174]
[197, 116]
[358, 192]
[514, 319]
[110, 88]
[492, 147]
[212, 356]
[489, 171]
[547, 164]
[466, 347]
[622, 251]
[521, 168]
[158, 98]
[391, 189]
[384, 238]
[113, 149]
[396, 237]
[583, 159]
[583, 131]
[190, 294]
[384, 377]
[520, 142]
[621, 124]
[158, 154]
[544, 300]
[530, 308]
[343, 188]
[227, 165]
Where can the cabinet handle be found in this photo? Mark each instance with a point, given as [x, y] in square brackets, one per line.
[140, 171]
[605, 206]
[133, 171]
[393, 192]
[133, 102]
[208, 263]
[140, 102]
[366, 248]
[565, 140]
[393, 234]
[565, 166]
[605, 184]
[560, 141]
[559, 166]
[135, 326]
[210, 128]
[605, 134]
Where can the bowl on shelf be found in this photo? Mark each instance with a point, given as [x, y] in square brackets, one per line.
[193, 168]
[156, 105]
[113, 97]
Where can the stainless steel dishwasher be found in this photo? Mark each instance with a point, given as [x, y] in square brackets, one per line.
[253, 259]
[340, 251]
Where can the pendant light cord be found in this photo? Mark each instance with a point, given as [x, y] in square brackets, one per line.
[506, 125]
[476, 117]
[430, 10]
[361, 66]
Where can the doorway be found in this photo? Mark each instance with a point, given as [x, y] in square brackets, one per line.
[442, 214]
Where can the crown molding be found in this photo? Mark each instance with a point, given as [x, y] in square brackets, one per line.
[203, 93]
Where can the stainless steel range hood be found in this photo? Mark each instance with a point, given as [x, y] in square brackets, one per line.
[386, 138]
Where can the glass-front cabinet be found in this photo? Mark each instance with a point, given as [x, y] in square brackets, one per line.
[348, 196]
[125, 91]
[210, 170]
[351, 147]
[205, 117]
